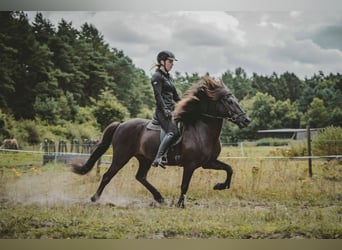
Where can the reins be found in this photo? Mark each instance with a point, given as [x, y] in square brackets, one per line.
[233, 118]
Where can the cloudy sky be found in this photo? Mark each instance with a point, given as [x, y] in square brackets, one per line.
[214, 42]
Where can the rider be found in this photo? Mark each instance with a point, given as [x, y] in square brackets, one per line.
[166, 96]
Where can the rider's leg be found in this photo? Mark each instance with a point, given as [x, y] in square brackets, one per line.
[171, 130]
[167, 141]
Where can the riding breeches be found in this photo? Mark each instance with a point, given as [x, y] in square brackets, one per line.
[167, 124]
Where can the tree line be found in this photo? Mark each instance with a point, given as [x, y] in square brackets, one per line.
[285, 101]
[55, 75]
[49, 73]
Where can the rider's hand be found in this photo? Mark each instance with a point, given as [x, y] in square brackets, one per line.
[167, 113]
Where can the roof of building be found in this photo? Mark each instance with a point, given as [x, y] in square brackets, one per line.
[286, 130]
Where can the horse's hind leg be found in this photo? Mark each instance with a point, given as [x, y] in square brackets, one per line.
[112, 171]
[144, 167]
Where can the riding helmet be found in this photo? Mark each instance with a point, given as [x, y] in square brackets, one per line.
[164, 55]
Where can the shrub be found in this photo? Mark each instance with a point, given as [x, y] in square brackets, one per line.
[108, 109]
[272, 142]
[29, 132]
[297, 148]
[25, 131]
[328, 142]
[82, 131]
[85, 115]
[71, 131]
[6, 123]
[145, 113]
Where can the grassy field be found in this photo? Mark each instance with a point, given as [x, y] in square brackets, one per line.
[269, 198]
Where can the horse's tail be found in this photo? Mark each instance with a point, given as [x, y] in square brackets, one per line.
[98, 152]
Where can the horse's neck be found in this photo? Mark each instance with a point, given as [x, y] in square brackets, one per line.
[213, 126]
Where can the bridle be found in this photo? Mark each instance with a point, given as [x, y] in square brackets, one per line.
[231, 116]
[235, 117]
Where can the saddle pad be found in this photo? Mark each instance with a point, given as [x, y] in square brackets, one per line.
[152, 126]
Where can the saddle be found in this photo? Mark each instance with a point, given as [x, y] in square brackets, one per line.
[174, 148]
[155, 125]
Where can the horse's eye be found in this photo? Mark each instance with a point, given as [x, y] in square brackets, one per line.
[229, 100]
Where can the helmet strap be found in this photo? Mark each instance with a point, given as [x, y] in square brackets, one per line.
[163, 65]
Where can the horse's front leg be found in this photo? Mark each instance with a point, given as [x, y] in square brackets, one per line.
[187, 174]
[218, 165]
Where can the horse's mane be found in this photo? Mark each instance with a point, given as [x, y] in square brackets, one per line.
[188, 109]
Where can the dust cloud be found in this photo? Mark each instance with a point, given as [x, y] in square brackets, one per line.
[62, 189]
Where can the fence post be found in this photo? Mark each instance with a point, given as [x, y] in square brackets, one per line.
[62, 147]
[46, 146]
[242, 149]
[49, 151]
[85, 146]
[75, 146]
[308, 135]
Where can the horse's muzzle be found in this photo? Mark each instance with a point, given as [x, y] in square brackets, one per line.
[243, 121]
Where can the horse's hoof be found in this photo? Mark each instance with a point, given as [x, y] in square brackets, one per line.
[220, 186]
[181, 205]
[160, 200]
[94, 198]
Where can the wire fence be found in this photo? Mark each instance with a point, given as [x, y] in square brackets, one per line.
[38, 150]
[80, 151]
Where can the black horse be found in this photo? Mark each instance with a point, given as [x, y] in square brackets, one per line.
[202, 112]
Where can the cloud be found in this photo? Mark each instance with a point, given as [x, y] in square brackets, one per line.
[221, 28]
[214, 41]
[329, 37]
[304, 51]
[295, 14]
[265, 22]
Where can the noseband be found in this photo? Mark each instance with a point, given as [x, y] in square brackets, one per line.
[235, 117]
[230, 117]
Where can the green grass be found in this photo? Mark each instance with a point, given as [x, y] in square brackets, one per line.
[240, 220]
[9, 159]
[268, 199]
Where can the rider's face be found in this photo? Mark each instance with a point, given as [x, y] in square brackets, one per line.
[168, 65]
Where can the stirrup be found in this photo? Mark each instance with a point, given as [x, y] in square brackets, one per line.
[162, 161]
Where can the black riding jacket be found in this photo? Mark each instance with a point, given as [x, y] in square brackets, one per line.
[164, 90]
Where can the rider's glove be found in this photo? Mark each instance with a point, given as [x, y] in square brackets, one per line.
[167, 113]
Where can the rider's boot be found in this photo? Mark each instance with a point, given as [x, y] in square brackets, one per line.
[161, 159]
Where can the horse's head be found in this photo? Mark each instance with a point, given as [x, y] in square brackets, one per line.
[230, 108]
[211, 98]
[223, 104]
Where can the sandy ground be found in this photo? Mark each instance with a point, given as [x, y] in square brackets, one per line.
[63, 188]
